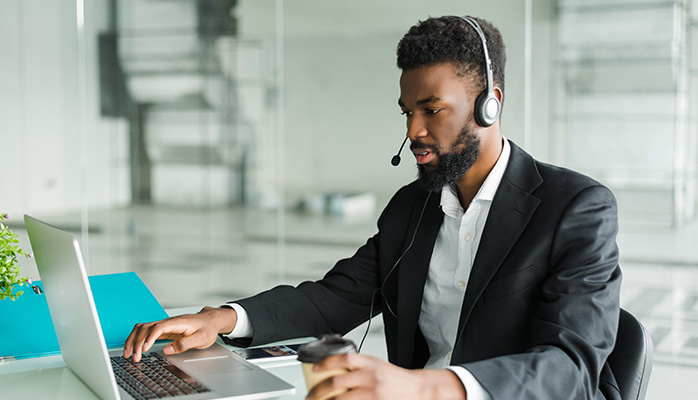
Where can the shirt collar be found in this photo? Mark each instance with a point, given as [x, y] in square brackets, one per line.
[449, 197]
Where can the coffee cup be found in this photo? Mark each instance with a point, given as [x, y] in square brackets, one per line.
[315, 351]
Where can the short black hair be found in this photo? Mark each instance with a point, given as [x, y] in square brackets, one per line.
[452, 39]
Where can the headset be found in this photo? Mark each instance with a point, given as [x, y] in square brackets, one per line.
[380, 289]
[487, 105]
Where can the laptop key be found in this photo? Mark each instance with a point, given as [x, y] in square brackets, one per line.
[154, 377]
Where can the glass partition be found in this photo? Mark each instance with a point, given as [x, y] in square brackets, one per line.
[220, 147]
[623, 109]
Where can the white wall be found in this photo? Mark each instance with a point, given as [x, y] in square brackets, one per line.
[11, 139]
[39, 112]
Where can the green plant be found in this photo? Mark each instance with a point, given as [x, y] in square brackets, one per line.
[9, 265]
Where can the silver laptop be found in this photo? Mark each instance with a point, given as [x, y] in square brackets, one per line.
[213, 373]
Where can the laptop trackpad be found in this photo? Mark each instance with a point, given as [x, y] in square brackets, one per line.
[215, 365]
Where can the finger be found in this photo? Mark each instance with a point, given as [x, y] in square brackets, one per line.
[139, 340]
[134, 342]
[137, 346]
[170, 336]
[128, 345]
[349, 361]
[174, 328]
[143, 336]
[148, 333]
[132, 338]
[336, 386]
[357, 394]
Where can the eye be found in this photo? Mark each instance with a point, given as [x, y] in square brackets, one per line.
[407, 113]
[432, 111]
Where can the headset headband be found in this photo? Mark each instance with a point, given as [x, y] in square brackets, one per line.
[488, 64]
[487, 106]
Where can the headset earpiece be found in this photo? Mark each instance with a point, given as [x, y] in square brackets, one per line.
[487, 109]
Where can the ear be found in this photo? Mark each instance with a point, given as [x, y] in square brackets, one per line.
[498, 93]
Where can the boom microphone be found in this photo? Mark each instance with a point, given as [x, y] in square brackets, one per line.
[396, 158]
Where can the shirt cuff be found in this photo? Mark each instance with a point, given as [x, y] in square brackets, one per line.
[243, 327]
[473, 389]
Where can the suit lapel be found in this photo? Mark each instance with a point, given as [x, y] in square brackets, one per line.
[412, 273]
[511, 209]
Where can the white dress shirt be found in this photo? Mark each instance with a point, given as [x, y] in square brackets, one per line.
[449, 270]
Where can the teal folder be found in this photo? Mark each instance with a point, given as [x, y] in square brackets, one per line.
[122, 301]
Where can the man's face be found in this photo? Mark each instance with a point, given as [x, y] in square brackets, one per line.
[438, 105]
[452, 164]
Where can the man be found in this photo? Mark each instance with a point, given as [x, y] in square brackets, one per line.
[496, 272]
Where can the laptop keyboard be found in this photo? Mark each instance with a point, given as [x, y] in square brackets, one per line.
[154, 377]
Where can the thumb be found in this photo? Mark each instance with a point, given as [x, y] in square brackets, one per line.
[169, 349]
[197, 340]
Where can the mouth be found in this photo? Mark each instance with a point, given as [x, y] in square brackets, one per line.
[423, 156]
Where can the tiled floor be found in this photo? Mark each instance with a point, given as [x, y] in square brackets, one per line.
[209, 256]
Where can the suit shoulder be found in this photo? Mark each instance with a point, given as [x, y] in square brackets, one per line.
[565, 178]
[544, 180]
[561, 187]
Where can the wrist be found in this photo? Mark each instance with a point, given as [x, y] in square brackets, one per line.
[442, 384]
[228, 319]
[222, 318]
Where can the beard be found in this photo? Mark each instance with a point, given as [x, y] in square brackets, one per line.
[451, 165]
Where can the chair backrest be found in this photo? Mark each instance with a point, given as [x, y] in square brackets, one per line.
[631, 358]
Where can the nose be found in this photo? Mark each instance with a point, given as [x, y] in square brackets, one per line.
[415, 128]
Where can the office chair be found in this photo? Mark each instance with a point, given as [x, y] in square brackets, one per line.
[631, 358]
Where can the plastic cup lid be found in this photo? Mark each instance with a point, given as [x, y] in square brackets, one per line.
[328, 345]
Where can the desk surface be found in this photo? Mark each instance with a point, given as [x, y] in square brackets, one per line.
[49, 378]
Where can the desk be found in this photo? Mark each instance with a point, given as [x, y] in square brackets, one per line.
[49, 378]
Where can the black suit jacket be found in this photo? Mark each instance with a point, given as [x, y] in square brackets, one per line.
[541, 308]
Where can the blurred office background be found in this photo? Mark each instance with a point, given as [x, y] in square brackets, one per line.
[218, 147]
